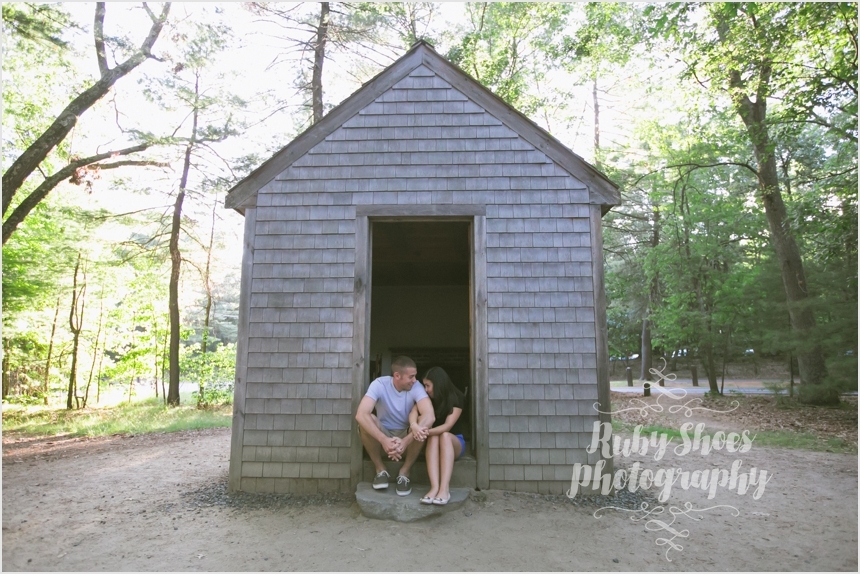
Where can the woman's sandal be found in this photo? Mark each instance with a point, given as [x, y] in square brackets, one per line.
[427, 500]
[441, 501]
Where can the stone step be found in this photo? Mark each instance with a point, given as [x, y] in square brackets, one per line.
[387, 505]
[465, 474]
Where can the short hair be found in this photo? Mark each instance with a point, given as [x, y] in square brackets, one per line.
[399, 364]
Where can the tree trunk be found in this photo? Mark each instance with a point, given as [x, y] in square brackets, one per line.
[710, 368]
[204, 345]
[646, 352]
[95, 349]
[164, 356]
[76, 317]
[176, 259]
[319, 59]
[46, 384]
[99, 376]
[596, 106]
[7, 347]
[725, 357]
[155, 339]
[754, 116]
[176, 262]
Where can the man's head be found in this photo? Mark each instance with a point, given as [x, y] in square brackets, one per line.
[403, 373]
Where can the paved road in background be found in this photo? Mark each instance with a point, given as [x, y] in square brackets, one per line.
[691, 390]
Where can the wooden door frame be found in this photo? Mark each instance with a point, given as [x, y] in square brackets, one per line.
[476, 216]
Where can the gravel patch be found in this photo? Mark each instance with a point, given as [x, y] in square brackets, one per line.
[215, 494]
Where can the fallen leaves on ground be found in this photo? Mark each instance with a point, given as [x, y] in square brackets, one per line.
[741, 412]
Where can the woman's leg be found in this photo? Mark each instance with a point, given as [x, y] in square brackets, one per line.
[431, 454]
[449, 450]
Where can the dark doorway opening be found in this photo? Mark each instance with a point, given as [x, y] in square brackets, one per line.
[420, 300]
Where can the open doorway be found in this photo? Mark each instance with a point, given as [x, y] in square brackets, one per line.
[420, 300]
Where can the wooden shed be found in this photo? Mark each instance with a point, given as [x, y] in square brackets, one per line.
[422, 216]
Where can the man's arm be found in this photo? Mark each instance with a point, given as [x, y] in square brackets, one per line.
[364, 416]
[426, 416]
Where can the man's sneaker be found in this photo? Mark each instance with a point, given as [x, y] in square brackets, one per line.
[404, 486]
[381, 480]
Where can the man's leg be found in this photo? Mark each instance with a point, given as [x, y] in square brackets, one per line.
[373, 448]
[412, 452]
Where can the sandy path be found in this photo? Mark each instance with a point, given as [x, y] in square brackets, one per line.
[124, 504]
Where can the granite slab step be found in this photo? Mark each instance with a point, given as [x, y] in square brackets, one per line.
[387, 505]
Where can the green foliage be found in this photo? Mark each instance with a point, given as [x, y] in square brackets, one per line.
[148, 416]
[37, 61]
[408, 22]
[214, 394]
[36, 23]
[212, 371]
[33, 398]
[504, 44]
[607, 36]
[820, 395]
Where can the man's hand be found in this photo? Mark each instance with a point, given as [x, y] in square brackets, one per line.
[394, 448]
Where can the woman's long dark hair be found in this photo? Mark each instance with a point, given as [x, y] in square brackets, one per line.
[445, 394]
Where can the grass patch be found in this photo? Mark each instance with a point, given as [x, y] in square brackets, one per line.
[625, 427]
[148, 416]
[779, 439]
[803, 440]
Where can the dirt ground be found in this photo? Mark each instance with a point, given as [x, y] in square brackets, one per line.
[158, 502]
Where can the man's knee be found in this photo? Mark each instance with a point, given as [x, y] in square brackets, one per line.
[367, 438]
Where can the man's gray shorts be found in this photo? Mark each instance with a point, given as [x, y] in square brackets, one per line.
[399, 433]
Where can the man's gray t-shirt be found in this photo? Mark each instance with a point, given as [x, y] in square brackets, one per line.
[393, 406]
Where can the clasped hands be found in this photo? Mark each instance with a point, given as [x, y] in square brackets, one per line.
[419, 433]
[395, 447]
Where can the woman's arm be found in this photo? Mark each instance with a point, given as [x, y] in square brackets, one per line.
[448, 424]
[418, 432]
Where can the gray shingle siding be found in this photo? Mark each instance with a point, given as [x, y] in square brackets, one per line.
[420, 142]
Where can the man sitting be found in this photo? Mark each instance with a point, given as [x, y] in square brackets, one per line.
[388, 430]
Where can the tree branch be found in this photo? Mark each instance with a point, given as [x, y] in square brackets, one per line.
[128, 162]
[37, 195]
[99, 37]
[28, 161]
[717, 164]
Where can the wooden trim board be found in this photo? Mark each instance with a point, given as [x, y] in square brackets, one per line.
[361, 336]
[600, 327]
[479, 350]
[234, 482]
[412, 211]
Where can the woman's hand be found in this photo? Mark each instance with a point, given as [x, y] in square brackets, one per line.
[419, 433]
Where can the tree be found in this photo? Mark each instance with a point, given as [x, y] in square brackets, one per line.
[196, 90]
[504, 47]
[748, 52]
[314, 31]
[32, 158]
[603, 43]
[76, 320]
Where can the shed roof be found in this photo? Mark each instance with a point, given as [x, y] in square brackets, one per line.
[602, 190]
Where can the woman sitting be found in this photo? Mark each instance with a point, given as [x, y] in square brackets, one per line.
[444, 445]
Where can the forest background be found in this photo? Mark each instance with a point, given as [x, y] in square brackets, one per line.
[731, 129]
